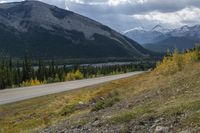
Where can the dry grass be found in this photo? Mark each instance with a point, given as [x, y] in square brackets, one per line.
[38, 113]
[148, 95]
[166, 97]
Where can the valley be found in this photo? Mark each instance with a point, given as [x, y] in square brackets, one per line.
[162, 100]
[106, 66]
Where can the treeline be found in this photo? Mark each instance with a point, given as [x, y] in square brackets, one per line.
[25, 74]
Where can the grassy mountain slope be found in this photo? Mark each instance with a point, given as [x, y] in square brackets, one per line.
[157, 101]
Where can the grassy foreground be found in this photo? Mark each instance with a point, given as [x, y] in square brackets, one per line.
[139, 103]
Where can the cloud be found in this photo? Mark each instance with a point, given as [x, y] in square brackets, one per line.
[186, 16]
[130, 7]
[59, 3]
[2, 1]
[127, 14]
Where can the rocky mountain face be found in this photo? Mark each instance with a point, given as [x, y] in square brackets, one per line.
[147, 36]
[161, 29]
[45, 31]
[160, 39]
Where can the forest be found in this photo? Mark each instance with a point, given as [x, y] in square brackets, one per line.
[27, 73]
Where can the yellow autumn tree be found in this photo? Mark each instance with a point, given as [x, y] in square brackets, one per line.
[78, 75]
[74, 75]
[32, 82]
[176, 61]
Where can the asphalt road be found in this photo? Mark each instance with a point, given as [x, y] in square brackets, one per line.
[19, 94]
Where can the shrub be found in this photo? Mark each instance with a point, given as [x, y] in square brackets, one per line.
[68, 109]
[32, 82]
[74, 75]
[108, 101]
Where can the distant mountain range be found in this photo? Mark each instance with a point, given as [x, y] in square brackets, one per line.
[160, 39]
[45, 31]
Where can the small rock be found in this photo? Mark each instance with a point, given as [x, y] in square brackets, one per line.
[96, 123]
[102, 98]
[187, 131]
[81, 106]
[157, 121]
[160, 129]
[152, 127]
[62, 131]
[81, 103]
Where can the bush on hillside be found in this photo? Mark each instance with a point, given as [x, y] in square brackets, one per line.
[108, 101]
[176, 61]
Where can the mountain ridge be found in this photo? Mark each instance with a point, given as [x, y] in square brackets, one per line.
[160, 39]
[46, 31]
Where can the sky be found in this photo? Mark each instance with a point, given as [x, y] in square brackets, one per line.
[123, 15]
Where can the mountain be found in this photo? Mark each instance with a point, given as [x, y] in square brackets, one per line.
[180, 43]
[162, 39]
[192, 32]
[145, 36]
[161, 29]
[45, 31]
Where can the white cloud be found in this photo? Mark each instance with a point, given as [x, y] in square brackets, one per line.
[101, 2]
[3, 1]
[117, 2]
[179, 18]
[139, 1]
[76, 1]
[127, 14]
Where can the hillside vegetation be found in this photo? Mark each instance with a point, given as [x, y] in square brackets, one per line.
[163, 100]
[176, 61]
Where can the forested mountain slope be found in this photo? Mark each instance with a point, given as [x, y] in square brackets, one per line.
[45, 31]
